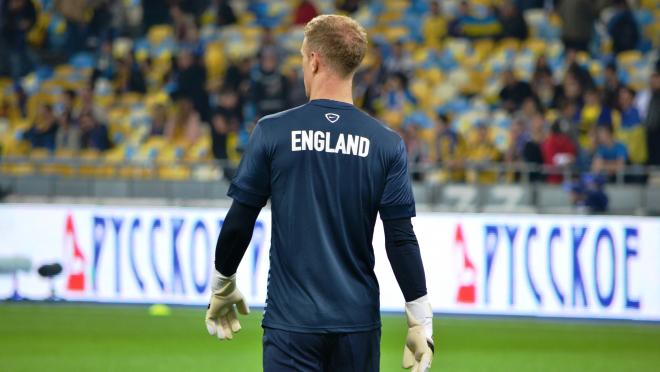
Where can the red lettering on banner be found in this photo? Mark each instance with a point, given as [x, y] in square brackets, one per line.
[76, 259]
[467, 286]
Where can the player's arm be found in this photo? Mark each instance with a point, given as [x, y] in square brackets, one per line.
[406, 261]
[250, 190]
[397, 207]
[233, 241]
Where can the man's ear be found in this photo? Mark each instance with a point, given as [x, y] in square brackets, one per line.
[314, 58]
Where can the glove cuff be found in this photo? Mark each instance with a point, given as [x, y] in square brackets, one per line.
[223, 283]
[419, 312]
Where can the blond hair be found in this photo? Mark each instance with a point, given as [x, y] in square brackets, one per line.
[341, 41]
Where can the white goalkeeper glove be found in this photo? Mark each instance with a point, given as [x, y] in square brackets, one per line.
[418, 352]
[221, 315]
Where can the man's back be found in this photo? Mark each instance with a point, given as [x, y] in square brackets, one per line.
[328, 169]
[328, 165]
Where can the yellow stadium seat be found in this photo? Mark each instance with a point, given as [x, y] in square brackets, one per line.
[509, 43]
[393, 118]
[20, 169]
[537, 46]
[396, 33]
[64, 154]
[250, 33]
[215, 61]
[649, 4]
[121, 47]
[159, 33]
[174, 173]
[628, 57]
[200, 150]
[158, 97]
[169, 154]
[64, 71]
[483, 47]
[39, 154]
[89, 154]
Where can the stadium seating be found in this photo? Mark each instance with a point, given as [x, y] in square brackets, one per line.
[457, 76]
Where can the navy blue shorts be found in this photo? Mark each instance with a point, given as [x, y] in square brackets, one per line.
[321, 352]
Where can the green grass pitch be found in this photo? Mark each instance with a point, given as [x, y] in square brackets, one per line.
[74, 337]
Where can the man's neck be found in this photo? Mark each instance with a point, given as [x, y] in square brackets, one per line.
[333, 89]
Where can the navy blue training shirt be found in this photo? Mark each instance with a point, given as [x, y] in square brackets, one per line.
[328, 168]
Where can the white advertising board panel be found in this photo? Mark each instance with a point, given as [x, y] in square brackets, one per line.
[537, 265]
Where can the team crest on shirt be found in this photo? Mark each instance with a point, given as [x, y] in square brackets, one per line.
[332, 117]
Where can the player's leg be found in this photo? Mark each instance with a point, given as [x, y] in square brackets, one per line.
[355, 352]
[291, 351]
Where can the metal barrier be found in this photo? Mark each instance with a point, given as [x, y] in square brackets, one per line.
[512, 188]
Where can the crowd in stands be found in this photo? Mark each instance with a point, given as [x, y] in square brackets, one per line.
[470, 85]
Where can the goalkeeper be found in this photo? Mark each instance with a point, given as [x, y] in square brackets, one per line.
[328, 169]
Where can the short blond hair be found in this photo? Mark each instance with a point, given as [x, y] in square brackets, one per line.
[340, 40]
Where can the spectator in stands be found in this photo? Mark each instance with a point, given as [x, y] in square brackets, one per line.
[158, 119]
[269, 86]
[228, 106]
[89, 106]
[130, 75]
[105, 65]
[367, 90]
[610, 156]
[65, 108]
[399, 62]
[224, 13]
[630, 130]
[543, 84]
[397, 96]
[449, 149]
[518, 139]
[481, 155]
[592, 113]
[513, 91]
[225, 125]
[191, 82]
[155, 12]
[434, 27]
[576, 71]
[78, 14]
[529, 108]
[106, 15]
[568, 120]
[530, 4]
[223, 135]
[512, 21]
[559, 152]
[304, 12]
[533, 152]
[521, 147]
[467, 25]
[18, 17]
[238, 77]
[578, 17]
[297, 95]
[652, 119]
[588, 195]
[43, 130]
[269, 43]
[416, 149]
[623, 28]
[68, 129]
[93, 134]
[347, 6]
[611, 85]
[456, 23]
[183, 23]
[185, 127]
